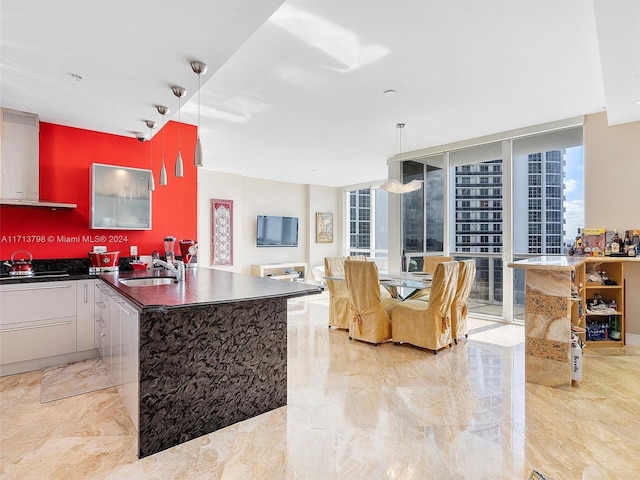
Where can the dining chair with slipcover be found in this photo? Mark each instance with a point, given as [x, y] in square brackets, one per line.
[459, 309]
[384, 291]
[339, 303]
[431, 262]
[428, 324]
[370, 321]
[429, 266]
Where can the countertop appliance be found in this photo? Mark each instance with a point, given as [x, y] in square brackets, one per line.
[103, 262]
[169, 248]
[189, 252]
[20, 267]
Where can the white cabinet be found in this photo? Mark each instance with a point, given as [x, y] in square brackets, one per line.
[107, 324]
[37, 320]
[102, 319]
[85, 315]
[116, 322]
[129, 346]
[292, 272]
[115, 347]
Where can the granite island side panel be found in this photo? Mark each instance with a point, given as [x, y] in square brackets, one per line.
[213, 352]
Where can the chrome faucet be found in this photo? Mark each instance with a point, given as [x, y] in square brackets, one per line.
[176, 267]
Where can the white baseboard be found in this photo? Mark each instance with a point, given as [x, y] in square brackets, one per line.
[632, 339]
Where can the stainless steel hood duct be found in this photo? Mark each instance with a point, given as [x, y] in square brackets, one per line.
[20, 161]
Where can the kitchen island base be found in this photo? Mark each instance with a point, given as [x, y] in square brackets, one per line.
[205, 367]
[548, 327]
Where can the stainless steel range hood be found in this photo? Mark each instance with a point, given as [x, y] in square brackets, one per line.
[20, 161]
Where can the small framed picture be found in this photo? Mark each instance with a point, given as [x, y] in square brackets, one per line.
[324, 227]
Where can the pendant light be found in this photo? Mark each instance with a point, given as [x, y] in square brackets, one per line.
[199, 68]
[396, 186]
[152, 181]
[179, 92]
[162, 110]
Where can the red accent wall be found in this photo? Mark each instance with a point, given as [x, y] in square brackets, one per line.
[66, 155]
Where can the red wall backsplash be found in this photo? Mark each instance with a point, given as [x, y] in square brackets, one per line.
[66, 155]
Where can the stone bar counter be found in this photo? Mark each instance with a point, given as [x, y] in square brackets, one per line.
[548, 319]
[212, 351]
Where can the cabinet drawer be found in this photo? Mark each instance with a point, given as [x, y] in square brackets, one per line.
[44, 341]
[22, 305]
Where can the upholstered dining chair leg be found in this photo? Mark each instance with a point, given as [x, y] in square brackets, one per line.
[350, 338]
[455, 340]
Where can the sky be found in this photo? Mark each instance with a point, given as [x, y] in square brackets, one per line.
[574, 193]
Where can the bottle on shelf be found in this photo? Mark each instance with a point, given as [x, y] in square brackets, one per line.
[614, 327]
[626, 242]
[578, 248]
[616, 242]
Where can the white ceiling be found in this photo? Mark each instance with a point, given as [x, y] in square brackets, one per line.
[294, 90]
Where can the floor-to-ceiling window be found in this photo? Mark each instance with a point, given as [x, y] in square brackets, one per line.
[423, 209]
[368, 222]
[548, 199]
[476, 212]
[497, 201]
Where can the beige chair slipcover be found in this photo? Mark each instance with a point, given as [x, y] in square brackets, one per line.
[466, 277]
[339, 303]
[384, 293]
[429, 266]
[431, 262]
[428, 324]
[369, 312]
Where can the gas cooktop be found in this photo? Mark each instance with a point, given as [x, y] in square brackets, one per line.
[49, 274]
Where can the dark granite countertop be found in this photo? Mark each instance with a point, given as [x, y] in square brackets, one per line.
[204, 286]
[44, 277]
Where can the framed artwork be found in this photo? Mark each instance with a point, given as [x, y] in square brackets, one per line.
[221, 232]
[324, 227]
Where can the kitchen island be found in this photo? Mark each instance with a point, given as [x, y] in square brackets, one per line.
[556, 295]
[547, 321]
[212, 351]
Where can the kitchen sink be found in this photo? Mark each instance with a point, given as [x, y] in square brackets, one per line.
[147, 282]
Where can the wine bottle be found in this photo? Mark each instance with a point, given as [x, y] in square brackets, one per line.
[626, 242]
[616, 242]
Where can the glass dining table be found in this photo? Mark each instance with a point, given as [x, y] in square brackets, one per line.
[403, 286]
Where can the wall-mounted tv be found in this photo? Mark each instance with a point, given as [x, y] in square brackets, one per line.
[120, 198]
[273, 231]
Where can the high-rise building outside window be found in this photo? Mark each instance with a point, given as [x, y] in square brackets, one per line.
[368, 222]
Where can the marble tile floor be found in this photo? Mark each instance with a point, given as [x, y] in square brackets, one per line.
[356, 411]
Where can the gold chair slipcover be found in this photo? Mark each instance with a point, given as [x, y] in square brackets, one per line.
[384, 293]
[431, 262]
[370, 320]
[429, 266]
[428, 324]
[466, 277]
[339, 303]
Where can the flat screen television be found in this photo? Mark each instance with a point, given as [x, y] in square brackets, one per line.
[273, 231]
